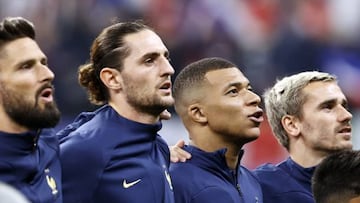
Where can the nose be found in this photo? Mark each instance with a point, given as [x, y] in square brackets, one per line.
[46, 74]
[254, 98]
[167, 68]
[345, 115]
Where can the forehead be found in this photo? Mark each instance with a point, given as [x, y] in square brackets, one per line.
[319, 91]
[19, 50]
[145, 41]
[224, 77]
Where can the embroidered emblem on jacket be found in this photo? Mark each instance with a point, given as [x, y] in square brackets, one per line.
[51, 182]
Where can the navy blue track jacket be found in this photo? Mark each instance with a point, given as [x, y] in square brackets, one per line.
[30, 163]
[286, 182]
[207, 178]
[108, 158]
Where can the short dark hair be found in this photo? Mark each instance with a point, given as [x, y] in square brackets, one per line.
[337, 177]
[12, 28]
[107, 50]
[193, 74]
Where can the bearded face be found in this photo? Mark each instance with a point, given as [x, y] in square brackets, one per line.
[146, 73]
[27, 112]
[26, 91]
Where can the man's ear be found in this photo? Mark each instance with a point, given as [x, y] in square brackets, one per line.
[291, 125]
[196, 113]
[111, 77]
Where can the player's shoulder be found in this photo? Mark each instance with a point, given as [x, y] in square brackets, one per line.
[270, 172]
[183, 168]
[267, 167]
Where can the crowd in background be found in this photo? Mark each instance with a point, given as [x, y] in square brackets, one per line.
[267, 39]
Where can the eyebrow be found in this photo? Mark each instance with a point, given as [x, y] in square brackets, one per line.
[344, 102]
[19, 64]
[154, 55]
[30, 60]
[237, 84]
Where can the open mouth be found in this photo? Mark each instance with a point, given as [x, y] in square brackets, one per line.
[46, 94]
[166, 86]
[257, 117]
[345, 130]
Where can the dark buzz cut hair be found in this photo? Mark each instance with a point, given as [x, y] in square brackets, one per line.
[337, 178]
[12, 28]
[193, 74]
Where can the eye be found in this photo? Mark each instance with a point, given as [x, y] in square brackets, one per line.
[232, 91]
[149, 61]
[327, 106]
[25, 66]
[346, 106]
[44, 62]
[168, 57]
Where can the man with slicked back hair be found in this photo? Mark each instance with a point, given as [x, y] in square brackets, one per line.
[115, 153]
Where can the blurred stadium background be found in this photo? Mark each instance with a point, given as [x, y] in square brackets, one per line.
[267, 39]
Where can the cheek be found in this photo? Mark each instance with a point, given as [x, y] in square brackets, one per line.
[309, 127]
[317, 130]
[20, 87]
[21, 81]
[140, 81]
[224, 112]
[322, 123]
[132, 82]
[26, 90]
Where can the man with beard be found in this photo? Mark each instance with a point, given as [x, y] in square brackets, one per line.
[115, 153]
[29, 150]
[309, 116]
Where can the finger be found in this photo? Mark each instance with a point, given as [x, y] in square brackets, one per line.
[165, 115]
[182, 153]
[173, 158]
[177, 153]
[180, 143]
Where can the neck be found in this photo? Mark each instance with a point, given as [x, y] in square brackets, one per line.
[306, 157]
[210, 143]
[9, 126]
[232, 158]
[131, 113]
